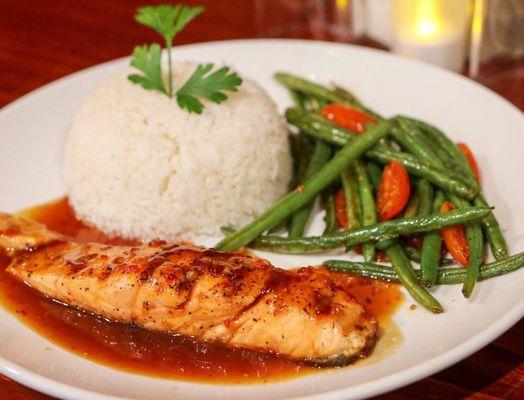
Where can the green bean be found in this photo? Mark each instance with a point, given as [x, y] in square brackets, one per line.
[227, 230]
[349, 184]
[374, 174]
[294, 146]
[450, 276]
[299, 219]
[368, 213]
[411, 209]
[445, 276]
[301, 149]
[319, 128]
[431, 247]
[490, 224]
[425, 195]
[296, 83]
[309, 103]
[476, 254]
[345, 94]
[330, 219]
[416, 255]
[492, 230]
[298, 98]
[412, 253]
[354, 101]
[363, 268]
[306, 192]
[476, 248]
[386, 243]
[408, 277]
[380, 231]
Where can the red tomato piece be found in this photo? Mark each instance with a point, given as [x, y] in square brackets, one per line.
[463, 147]
[347, 117]
[393, 191]
[455, 238]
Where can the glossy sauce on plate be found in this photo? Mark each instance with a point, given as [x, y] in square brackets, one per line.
[134, 349]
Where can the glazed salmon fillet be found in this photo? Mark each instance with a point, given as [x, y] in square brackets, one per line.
[232, 298]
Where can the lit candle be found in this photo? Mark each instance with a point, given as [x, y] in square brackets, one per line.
[431, 30]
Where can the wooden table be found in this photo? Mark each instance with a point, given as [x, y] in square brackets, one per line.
[41, 41]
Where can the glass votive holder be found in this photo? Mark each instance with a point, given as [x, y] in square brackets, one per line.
[434, 31]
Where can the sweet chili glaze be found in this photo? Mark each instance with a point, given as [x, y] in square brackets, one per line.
[138, 350]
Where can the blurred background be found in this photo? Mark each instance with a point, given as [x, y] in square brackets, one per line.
[483, 39]
[450, 33]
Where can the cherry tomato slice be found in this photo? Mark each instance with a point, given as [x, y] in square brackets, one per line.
[347, 117]
[455, 238]
[340, 209]
[393, 191]
[463, 147]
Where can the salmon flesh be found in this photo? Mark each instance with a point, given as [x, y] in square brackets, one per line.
[307, 315]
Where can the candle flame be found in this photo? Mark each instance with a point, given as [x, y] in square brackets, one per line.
[342, 4]
[428, 19]
[478, 18]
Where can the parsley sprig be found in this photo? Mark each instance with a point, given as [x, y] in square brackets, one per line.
[147, 60]
[208, 85]
[168, 21]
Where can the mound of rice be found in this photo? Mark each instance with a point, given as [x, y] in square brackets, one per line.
[138, 166]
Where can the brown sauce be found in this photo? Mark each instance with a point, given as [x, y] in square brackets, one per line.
[134, 349]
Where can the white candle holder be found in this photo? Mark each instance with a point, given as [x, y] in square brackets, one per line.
[434, 31]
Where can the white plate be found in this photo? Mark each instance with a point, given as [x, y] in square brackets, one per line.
[31, 147]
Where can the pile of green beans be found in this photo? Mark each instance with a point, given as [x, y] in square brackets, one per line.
[318, 127]
[329, 158]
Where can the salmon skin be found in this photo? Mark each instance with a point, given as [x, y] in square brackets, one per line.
[307, 315]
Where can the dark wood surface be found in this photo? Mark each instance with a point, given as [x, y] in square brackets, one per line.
[41, 41]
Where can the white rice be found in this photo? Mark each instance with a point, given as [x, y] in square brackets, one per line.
[138, 166]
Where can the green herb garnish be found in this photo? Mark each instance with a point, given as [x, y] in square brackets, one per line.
[208, 85]
[168, 21]
[147, 60]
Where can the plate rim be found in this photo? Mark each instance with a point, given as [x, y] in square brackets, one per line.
[387, 383]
